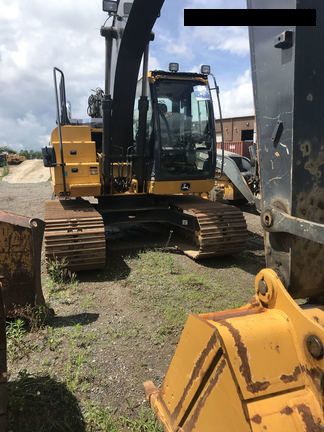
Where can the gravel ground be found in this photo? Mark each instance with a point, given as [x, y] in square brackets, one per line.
[25, 199]
[116, 328]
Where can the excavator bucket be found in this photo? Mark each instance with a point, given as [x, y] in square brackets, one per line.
[257, 368]
[20, 257]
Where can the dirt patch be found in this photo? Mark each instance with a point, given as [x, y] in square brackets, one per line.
[30, 171]
[114, 329]
[26, 200]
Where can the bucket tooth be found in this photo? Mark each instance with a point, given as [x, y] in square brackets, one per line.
[245, 369]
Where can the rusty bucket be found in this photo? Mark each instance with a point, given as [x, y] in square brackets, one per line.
[20, 258]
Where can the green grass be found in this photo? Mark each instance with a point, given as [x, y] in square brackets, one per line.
[55, 399]
[100, 419]
[145, 422]
[59, 274]
[5, 172]
[66, 370]
[40, 403]
[54, 338]
[87, 302]
[159, 281]
[17, 348]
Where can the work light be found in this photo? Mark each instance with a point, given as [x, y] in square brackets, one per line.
[110, 6]
[205, 69]
[174, 67]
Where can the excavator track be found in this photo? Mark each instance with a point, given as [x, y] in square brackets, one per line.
[75, 231]
[220, 228]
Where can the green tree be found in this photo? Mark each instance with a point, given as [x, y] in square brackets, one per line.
[6, 149]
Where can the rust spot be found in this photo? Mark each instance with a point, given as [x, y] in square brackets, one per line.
[253, 387]
[316, 375]
[293, 377]
[254, 303]
[275, 347]
[287, 410]
[189, 426]
[308, 419]
[257, 419]
[257, 386]
[195, 373]
[20, 257]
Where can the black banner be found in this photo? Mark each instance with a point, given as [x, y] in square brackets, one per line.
[250, 17]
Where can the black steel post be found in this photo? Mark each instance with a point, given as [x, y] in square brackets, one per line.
[142, 125]
[108, 34]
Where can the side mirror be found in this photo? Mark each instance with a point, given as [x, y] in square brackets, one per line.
[49, 157]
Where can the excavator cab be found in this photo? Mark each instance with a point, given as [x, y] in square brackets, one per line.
[182, 123]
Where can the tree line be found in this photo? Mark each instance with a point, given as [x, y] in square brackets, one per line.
[29, 154]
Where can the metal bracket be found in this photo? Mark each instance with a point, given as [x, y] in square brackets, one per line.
[284, 40]
[275, 220]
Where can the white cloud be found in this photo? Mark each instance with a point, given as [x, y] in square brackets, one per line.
[35, 36]
[238, 100]
[212, 4]
[29, 132]
[231, 39]
[179, 47]
[154, 63]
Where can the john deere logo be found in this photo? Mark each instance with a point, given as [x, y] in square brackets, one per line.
[185, 187]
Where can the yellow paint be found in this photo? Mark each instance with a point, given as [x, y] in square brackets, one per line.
[283, 413]
[262, 379]
[174, 187]
[82, 168]
[230, 193]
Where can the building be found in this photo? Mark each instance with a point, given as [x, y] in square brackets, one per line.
[237, 129]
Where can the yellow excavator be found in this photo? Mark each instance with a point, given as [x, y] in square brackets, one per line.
[147, 154]
[261, 367]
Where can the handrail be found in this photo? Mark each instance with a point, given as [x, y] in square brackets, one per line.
[58, 119]
[216, 87]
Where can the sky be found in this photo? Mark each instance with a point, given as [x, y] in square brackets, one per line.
[36, 35]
